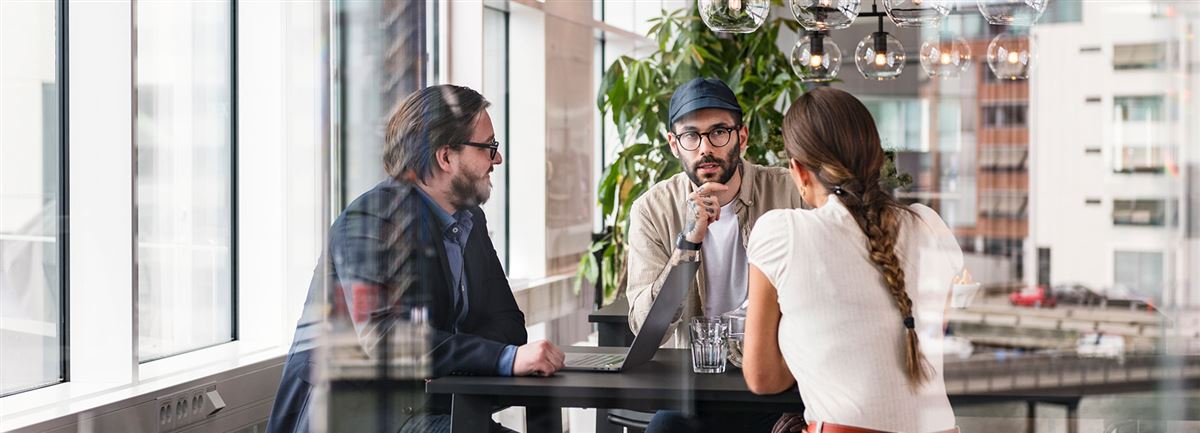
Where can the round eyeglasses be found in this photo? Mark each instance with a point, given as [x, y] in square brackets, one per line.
[494, 147]
[717, 137]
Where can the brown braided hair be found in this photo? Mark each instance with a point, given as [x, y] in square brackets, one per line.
[830, 133]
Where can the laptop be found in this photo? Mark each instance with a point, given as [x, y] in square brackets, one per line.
[662, 313]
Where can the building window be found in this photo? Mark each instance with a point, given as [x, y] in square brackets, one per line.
[32, 182]
[1141, 159]
[495, 90]
[1005, 116]
[1007, 158]
[1003, 205]
[1138, 273]
[1139, 56]
[1139, 212]
[184, 188]
[1139, 108]
[899, 121]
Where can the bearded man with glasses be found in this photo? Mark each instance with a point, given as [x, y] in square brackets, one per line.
[703, 214]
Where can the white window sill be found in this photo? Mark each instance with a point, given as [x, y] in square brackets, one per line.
[55, 401]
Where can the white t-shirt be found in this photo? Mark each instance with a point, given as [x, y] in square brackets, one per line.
[724, 264]
[841, 333]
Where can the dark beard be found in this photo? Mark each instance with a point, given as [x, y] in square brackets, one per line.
[466, 192]
[729, 168]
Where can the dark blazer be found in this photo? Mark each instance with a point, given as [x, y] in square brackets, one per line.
[385, 260]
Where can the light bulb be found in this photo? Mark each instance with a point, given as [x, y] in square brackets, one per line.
[879, 56]
[1010, 56]
[816, 58]
[825, 3]
[947, 55]
[735, 5]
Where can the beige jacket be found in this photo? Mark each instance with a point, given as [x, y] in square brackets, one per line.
[657, 218]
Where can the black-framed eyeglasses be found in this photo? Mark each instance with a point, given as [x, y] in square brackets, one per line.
[494, 146]
[717, 137]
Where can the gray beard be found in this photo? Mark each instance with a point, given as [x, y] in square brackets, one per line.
[465, 193]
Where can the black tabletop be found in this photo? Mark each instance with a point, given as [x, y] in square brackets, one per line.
[665, 381]
[616, 312]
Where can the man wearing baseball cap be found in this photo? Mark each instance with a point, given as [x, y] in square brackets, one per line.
[703, 214]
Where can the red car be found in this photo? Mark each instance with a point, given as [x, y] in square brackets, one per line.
[1034, 296]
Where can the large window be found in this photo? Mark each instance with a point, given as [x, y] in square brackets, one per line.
[1139, 108]
[1004, 116]
[1139, 56]
[184, 201]
[1138, 273]
[495, 90]
[1003, 158]
[31, 203]
[1139, 212]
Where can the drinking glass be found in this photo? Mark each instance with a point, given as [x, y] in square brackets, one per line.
[709, 350]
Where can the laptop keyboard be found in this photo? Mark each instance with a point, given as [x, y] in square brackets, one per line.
[594, 360]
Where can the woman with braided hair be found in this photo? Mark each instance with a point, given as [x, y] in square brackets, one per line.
[847, 298]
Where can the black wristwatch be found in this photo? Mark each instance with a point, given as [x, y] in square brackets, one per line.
[682, 243]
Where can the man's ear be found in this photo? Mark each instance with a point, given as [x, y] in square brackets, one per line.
[674, 142]
[743, 135]
[442, 156]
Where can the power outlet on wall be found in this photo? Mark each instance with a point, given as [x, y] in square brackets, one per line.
[185, 408]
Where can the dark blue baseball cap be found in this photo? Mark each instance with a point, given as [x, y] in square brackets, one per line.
[701, 93]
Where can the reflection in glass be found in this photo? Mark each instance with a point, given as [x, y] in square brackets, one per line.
[31, 323]
[734, 16]
[1012, 12]
[947, 56]
[184, 171]
[817, 15]
[917, 13]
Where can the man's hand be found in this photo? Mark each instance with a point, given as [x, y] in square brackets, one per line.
[539, 358]
[789, 422]
[703, 209]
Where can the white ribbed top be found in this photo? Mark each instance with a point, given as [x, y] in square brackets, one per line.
[841, 333]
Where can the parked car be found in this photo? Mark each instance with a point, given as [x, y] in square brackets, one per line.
[1077, 294]
[1033, 296]
[1120, 296]
[1098, 345]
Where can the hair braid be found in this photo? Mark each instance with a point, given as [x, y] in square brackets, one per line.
[832, 134]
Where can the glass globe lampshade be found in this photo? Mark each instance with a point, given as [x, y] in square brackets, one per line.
[947, 56]
[1012, 12]
[820, 15]
[1010, 56]
[879, 56]
[733, 16]
[815, 58]
[916, 13]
